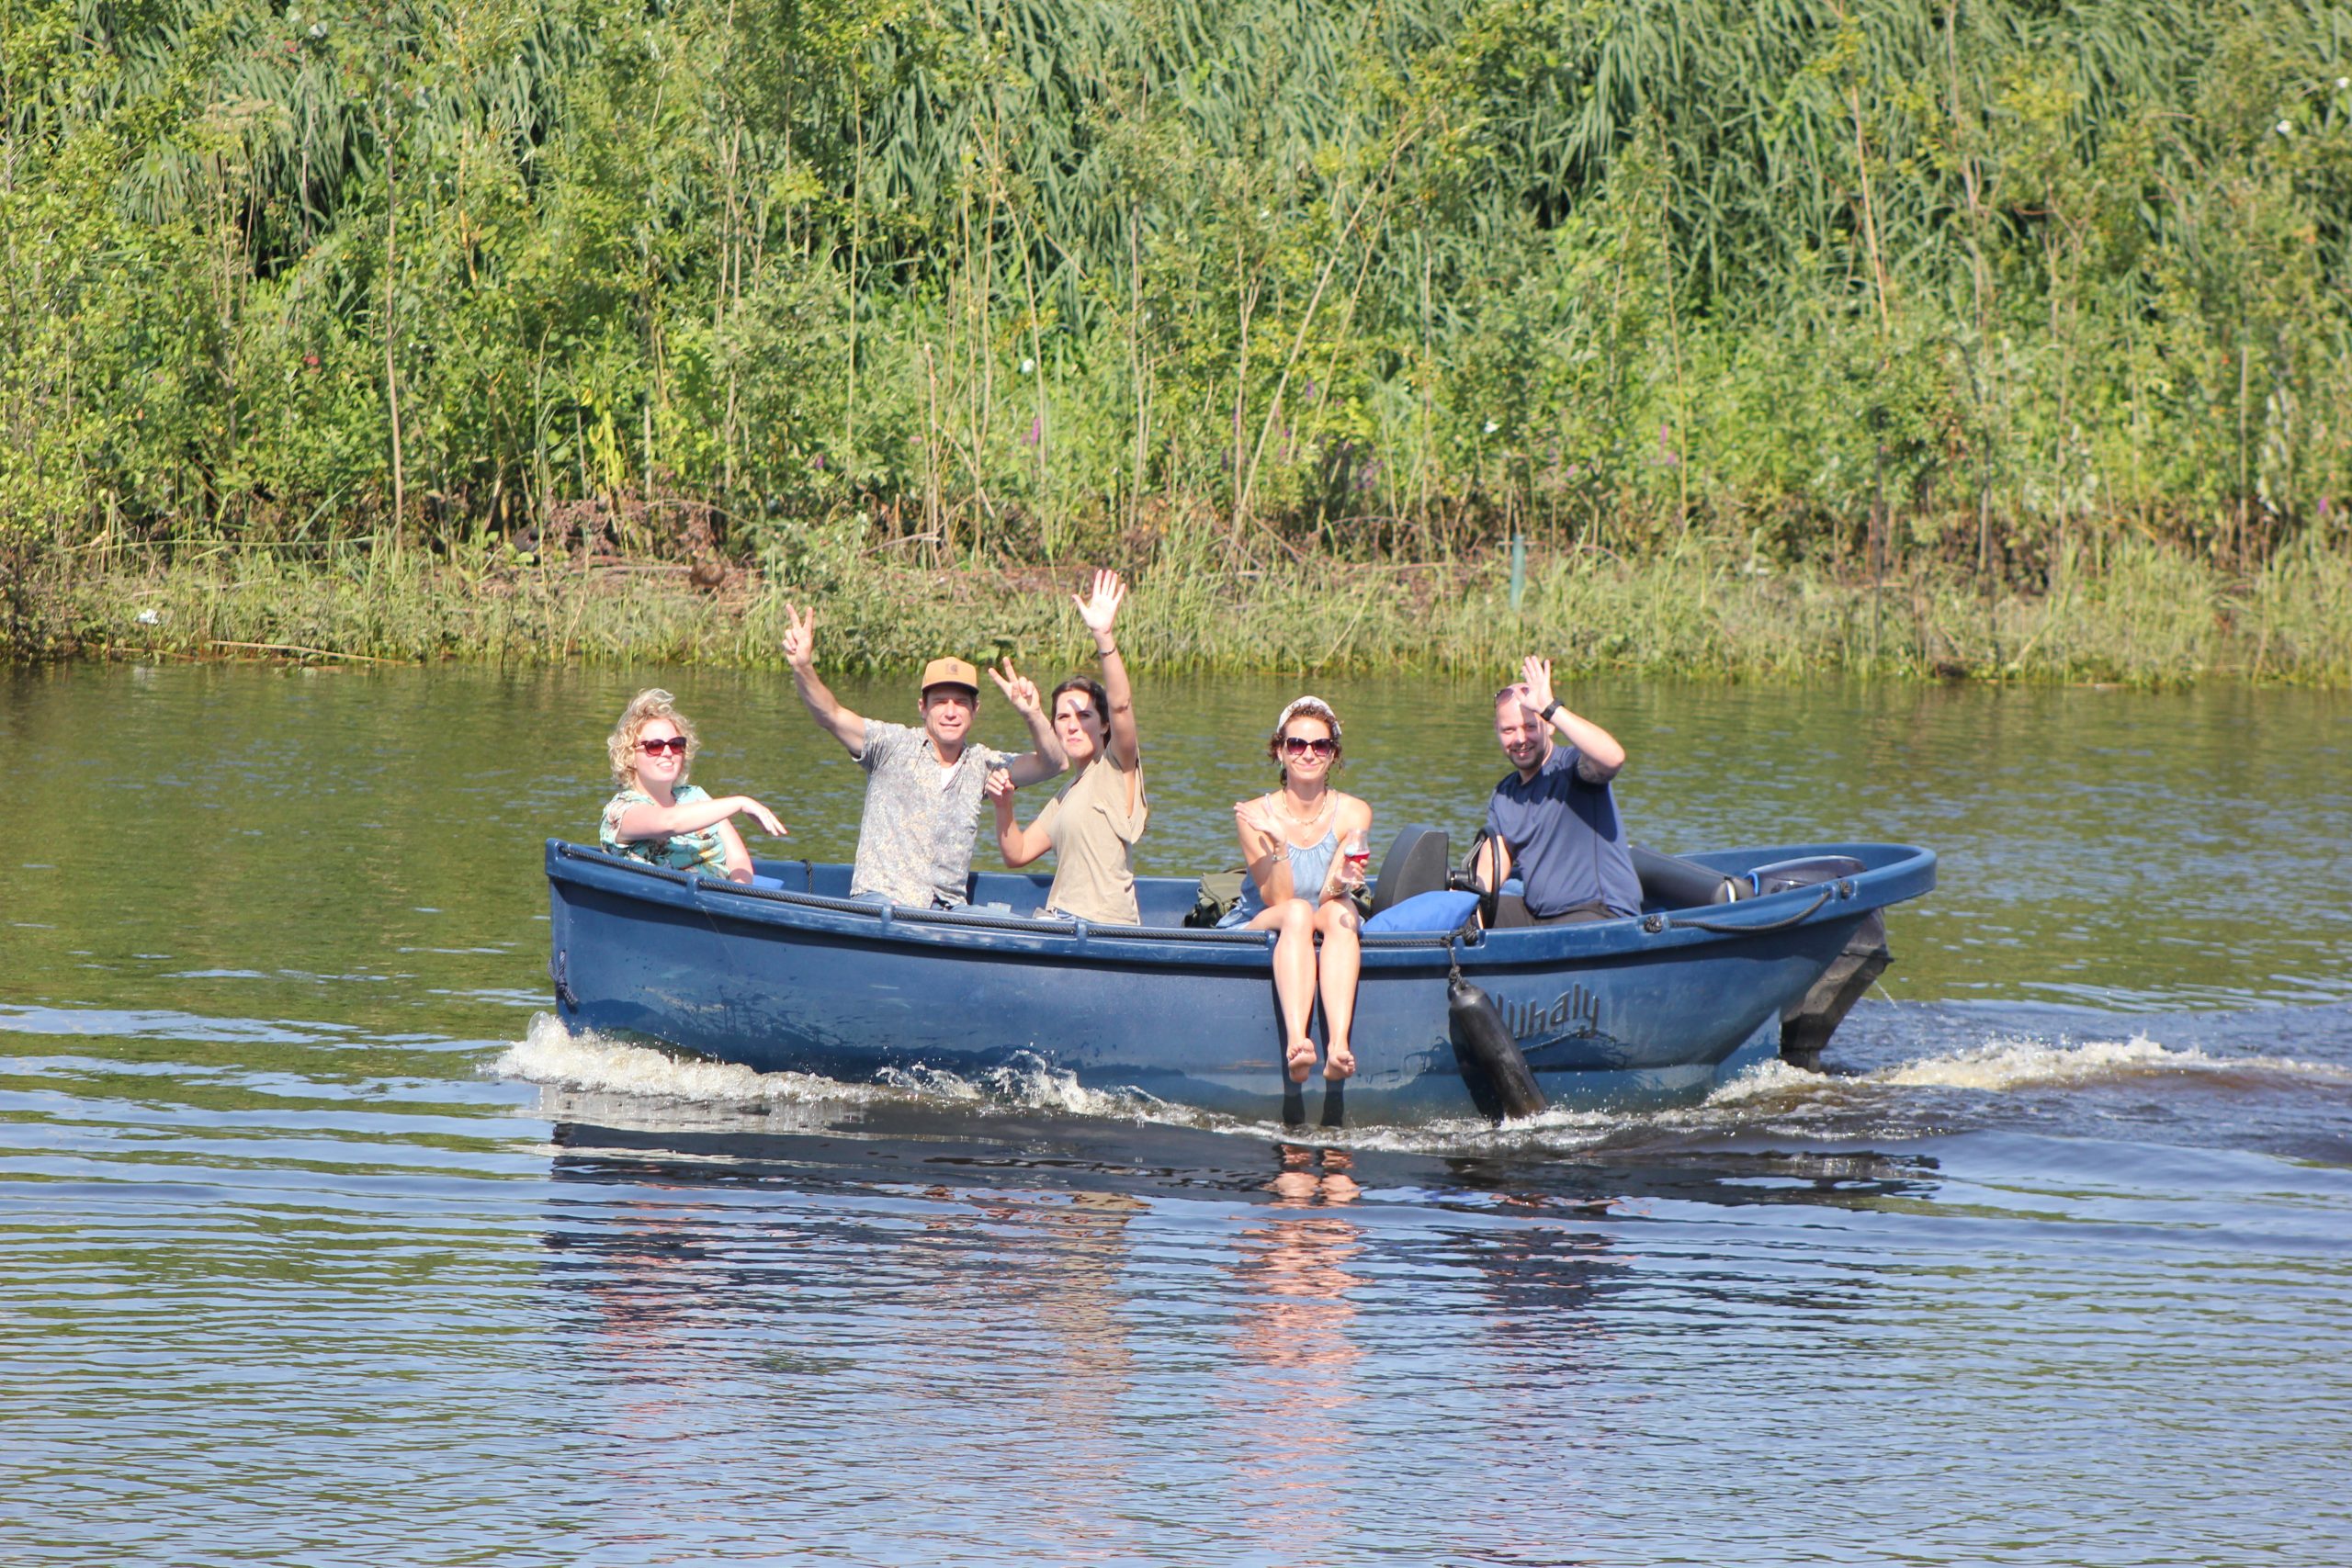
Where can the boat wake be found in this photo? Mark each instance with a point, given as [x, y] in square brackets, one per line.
[2012, 1063]
[551, 1056]
[2003, 1064]
[1031, 1083]
[554, 1058]
[1905, 1100]
[588, 1077]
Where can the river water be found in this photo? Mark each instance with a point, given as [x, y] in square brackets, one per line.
[320, 1244]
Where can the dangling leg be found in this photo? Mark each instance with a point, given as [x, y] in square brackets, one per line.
[1342, 962]
[1294, 921]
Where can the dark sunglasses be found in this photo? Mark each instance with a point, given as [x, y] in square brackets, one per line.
[675, 745]
[1299, 746]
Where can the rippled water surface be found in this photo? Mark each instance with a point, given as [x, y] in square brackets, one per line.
[319, 1243]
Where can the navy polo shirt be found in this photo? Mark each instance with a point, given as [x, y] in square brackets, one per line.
[1566, 841]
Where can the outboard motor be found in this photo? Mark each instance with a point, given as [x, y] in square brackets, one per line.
[1807, 1022]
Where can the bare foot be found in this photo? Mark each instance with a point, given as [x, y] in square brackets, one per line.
[1300, 1059]
[1339, 1062]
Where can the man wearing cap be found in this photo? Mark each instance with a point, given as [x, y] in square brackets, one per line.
[1555, 820]
[922, 786]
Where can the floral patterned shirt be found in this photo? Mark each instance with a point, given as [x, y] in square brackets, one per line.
[914, 843]
[704, 852]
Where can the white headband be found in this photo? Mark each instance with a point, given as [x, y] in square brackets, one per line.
[1316, 706]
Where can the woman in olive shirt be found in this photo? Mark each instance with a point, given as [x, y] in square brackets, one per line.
[1092, 825]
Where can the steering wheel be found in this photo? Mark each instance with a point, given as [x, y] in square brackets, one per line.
[1466, 880]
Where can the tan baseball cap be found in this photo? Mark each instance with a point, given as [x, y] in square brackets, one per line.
[951, 672]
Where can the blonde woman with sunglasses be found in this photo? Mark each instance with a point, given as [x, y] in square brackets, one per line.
[657, 817]
[1304, 845]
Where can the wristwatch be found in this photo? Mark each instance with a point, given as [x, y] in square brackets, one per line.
[1549, 709]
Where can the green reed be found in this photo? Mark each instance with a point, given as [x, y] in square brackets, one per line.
[2152, 617]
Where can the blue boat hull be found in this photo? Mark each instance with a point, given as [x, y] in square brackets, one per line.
[797, 978]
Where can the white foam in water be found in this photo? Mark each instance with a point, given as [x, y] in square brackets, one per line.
[551, 1054]
[1029, 1082]
[1767, 1079]
[930, 1083]
[1032, 1082]
[2000, 1065]
[1559, 1129]
[2010, 1064]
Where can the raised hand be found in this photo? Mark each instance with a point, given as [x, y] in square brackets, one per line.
[799, 636]
[1098, 611]
[1018, 689]
[1535, 674]
[997, 785]
[768, 821]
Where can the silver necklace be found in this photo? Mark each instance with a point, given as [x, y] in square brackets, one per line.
[1296, 820]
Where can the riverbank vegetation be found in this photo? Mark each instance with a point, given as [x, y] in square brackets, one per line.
[2000, 339]
[2145, 614]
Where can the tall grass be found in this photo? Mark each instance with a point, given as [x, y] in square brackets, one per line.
[2152, 617]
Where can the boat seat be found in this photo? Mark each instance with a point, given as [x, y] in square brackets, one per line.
[1436, 910]
[1414, 864]
[1669, 882]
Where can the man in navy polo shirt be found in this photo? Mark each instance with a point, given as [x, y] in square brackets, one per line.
[1555, 821]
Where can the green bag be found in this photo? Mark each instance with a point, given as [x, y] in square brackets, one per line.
[1219, 891]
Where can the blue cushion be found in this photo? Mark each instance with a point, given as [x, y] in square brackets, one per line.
[1438, 911]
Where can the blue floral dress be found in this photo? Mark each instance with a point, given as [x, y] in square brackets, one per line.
[703, 853]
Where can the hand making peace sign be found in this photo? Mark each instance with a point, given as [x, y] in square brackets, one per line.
[799, 636]
[1018, 689]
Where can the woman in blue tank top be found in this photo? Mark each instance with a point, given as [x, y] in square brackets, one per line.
[1299, 881]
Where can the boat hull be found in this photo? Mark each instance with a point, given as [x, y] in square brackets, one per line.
[795, 978]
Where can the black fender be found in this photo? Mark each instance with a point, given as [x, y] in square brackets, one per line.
[1497, 1075]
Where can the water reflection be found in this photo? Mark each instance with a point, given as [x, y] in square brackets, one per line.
[1029, 1313]
[1295, 1326]
[1077, 1248]
[642, 1302]
[990, 1311]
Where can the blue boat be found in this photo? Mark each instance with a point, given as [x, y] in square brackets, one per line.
[790, 973]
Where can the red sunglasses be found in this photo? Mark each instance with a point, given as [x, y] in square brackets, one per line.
[675, 745]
